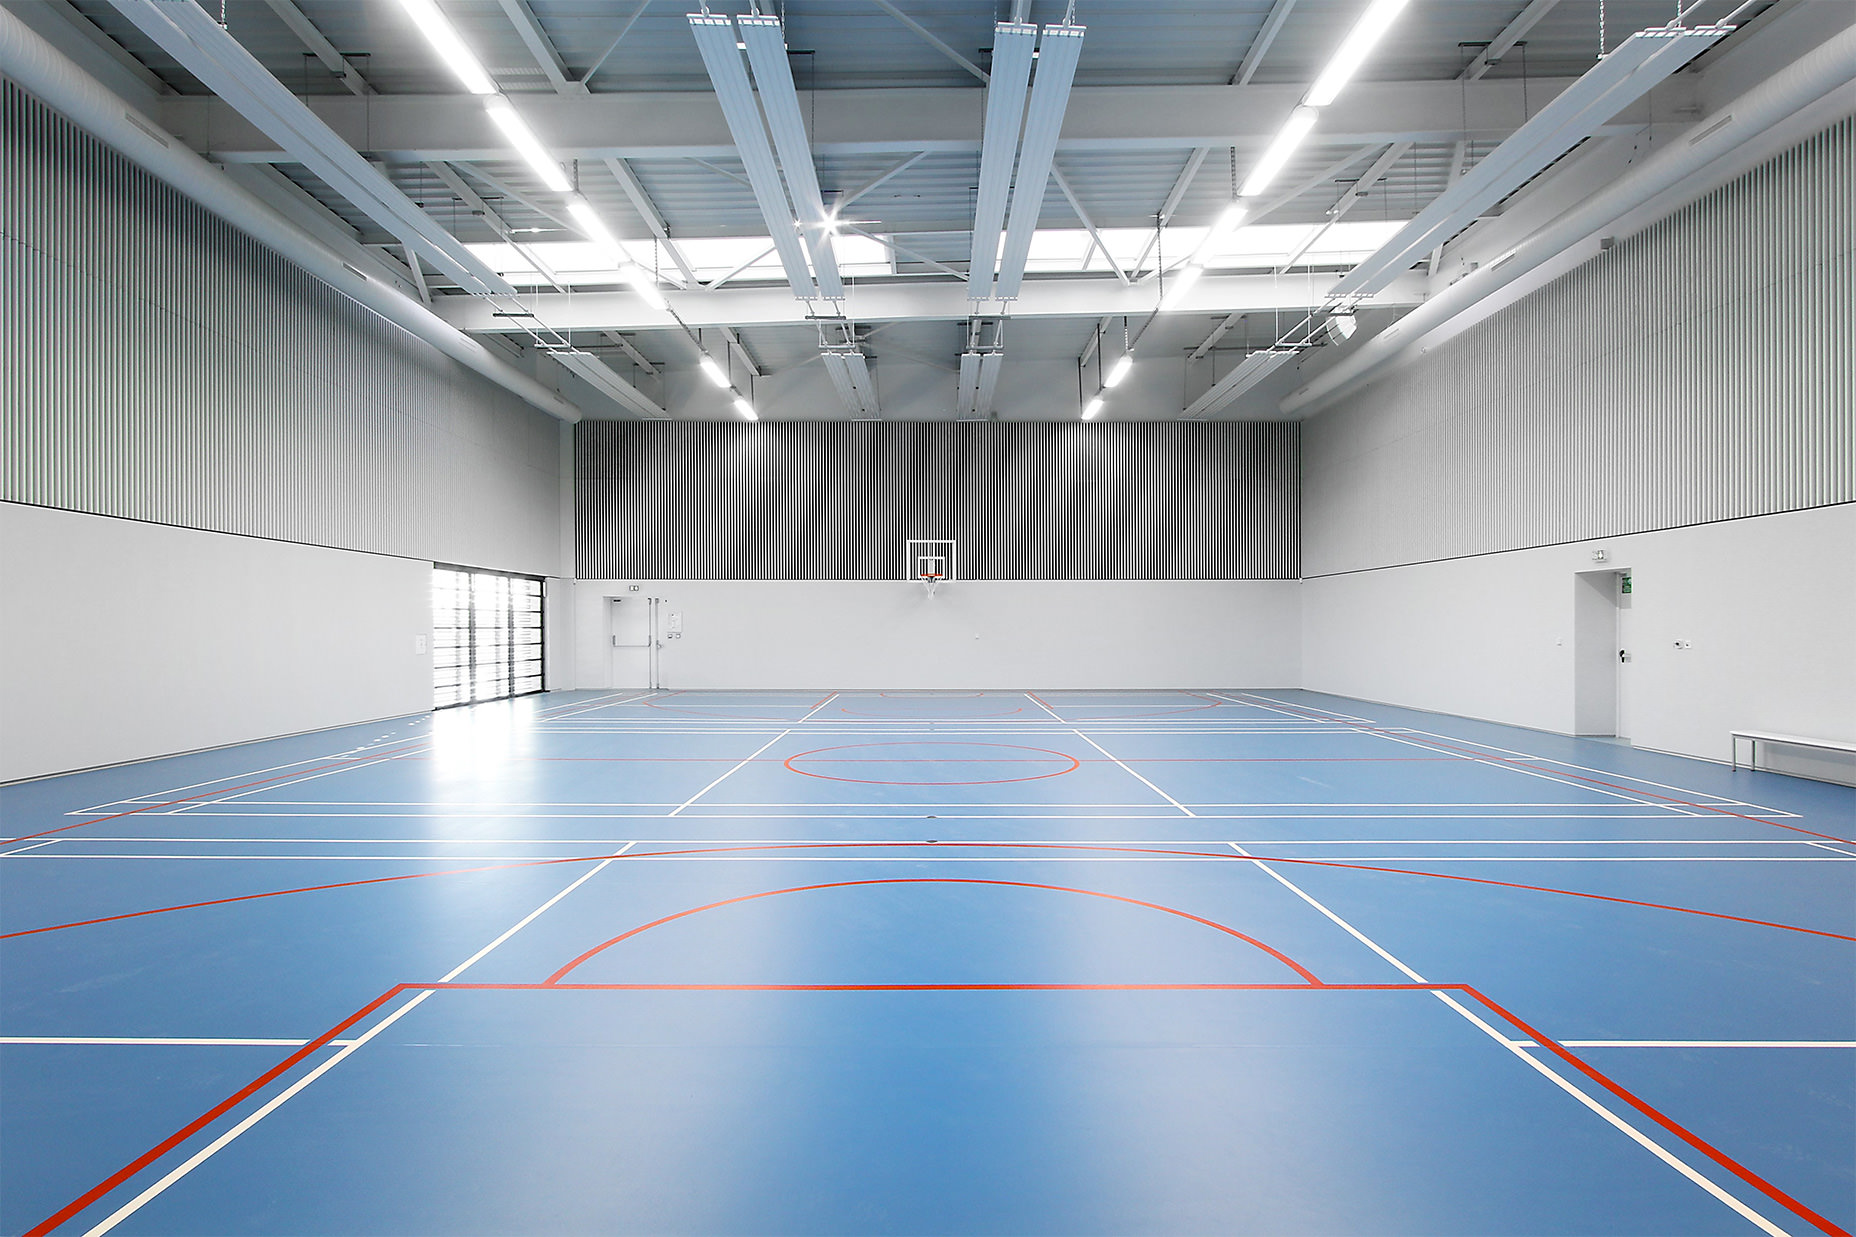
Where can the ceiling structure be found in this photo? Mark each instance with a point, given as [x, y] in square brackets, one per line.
[804, 217]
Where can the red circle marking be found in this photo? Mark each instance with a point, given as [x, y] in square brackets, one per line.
[1043, 755]
[1306, 975]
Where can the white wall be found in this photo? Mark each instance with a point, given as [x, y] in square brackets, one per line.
[991, 634]
[124, 640]
[1768, 604]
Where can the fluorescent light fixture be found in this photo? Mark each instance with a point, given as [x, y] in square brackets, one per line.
[1183, 278]
[715, 372]
[644, 283]
[746, 409]
[1092, 407]
[1118, 371]
[1013, 45]
[1290, 136]
[1050, 97]
[593, 226]
[503, 112]
[450, 48]
[1353, 51]
[1223, 226]
[721, 56]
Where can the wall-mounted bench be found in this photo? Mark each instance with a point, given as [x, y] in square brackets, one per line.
[1755, 737]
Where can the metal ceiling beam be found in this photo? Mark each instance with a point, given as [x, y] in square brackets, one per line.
[647, 210]
[1348, 200]
[1260, 46]
[880, 179]
[900, 301]
[654, 125]
[1504, 42]
[929, 37]
[599, 61]
[528, 27]
[332, 60]
[638, 358]
[1211, 341]
[1069, 195]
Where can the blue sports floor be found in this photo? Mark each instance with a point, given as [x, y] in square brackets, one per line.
[1223, 962]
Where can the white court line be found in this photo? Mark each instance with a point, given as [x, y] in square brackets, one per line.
[207, 1152]
[528, 857]
[1629, 1130]
[1697, 1043]
[1822, 845]
[7, 854]
[821, 704]
[494, 806]
[1037, 811]
[1130, 772]
[1693, 795]
[1060, 841]
[576, 707]
[157, 1041]
[345, 767]
[1514, 768]
[718, 781]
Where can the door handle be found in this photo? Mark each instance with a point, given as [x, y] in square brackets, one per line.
[1623, 655]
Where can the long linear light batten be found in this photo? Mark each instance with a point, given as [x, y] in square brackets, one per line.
[765, 42]
[523, 138]
[1050, 97]
[444, 39]
[1287, 139]
[715, 39]
[1013, 45]
[1353, 51]
[1629, 72]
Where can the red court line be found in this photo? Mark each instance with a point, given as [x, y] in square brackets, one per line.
[1065, 846]
[1642, 1106]
[1442, 745]
[206, 1118]
[1277, 954]
[221, 790]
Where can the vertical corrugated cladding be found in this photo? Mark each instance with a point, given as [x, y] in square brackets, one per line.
[158, 364]
[822, 500]
[1701, 370]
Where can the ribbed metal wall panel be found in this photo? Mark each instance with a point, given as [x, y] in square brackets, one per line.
[1026, 501]
[1704, 369]
[157, 364]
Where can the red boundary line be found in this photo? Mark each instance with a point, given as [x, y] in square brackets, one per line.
[1273, 952]
[1064, 846]
[1759, 1183]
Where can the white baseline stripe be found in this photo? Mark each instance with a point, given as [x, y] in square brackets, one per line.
[1546, 1071]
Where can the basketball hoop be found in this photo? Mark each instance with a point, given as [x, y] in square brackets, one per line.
[929, 562]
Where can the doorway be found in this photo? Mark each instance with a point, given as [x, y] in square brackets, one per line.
[1601, 652]
[633, 621]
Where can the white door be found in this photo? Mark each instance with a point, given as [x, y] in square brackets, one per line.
[632, 624]
[1595, 653]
